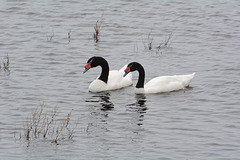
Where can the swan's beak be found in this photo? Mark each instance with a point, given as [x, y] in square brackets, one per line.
[87, 67]
[85, 70]
[127, 70]
[125, 74]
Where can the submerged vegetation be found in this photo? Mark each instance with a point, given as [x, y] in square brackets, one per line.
[50, 36]
[47, 126]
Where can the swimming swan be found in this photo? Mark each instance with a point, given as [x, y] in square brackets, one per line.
[158, 84]
[108, 80]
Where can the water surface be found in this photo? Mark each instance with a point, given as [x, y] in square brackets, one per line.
[46, 67]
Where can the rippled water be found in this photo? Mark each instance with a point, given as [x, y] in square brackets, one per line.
[46, 67]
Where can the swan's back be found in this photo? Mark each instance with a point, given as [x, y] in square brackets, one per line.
[117, 81]
[185, 79]
[168, 83]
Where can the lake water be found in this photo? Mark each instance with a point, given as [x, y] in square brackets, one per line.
[46, 67]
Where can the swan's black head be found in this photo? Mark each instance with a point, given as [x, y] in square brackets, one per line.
[92, 62]
[135, 66]
[130, 68]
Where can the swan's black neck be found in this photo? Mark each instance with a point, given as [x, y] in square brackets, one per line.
[105, 68]
[141, 77]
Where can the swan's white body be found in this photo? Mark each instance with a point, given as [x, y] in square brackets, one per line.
[115, 81]
[166, 84]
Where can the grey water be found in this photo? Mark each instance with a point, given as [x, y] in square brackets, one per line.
[46, 66]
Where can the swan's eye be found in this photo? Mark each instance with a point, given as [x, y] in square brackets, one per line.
[127, 70]
[88, 65]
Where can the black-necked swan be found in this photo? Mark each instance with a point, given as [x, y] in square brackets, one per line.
[158, 84]
[108, 80]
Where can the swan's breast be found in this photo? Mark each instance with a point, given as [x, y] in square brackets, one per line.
[97, 86]
[115, 81]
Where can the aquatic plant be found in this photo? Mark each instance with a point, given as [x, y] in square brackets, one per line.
[165, 44]
[97, 29]
[69, 36]
[6, 63]
[47, 126]
[149, 41]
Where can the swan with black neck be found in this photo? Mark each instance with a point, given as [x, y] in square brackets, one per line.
[158, 84]
[108, 80]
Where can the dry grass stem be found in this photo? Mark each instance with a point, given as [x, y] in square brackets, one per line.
[65, 124]
[95, 35]
[150, 39]
[164, 44]
[97, 29]
[41, 125]
[69, 36]
[149, 42]
[6, 63]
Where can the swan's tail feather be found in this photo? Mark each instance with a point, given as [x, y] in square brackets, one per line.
[189, 79]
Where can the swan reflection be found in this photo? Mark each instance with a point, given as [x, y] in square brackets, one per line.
[139, 107]
[103, 100]
[99, 104]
